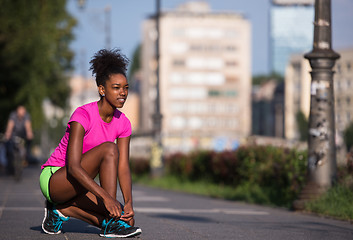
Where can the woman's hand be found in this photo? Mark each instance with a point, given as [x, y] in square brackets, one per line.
[128, 214]
[113, 207]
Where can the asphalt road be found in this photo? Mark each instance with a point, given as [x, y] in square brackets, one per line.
[166, 215]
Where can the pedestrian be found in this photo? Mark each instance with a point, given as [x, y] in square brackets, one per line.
[96, 143]
[18, 125]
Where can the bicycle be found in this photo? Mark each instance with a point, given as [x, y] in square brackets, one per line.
[16, 155]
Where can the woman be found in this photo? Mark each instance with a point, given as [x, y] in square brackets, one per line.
[87, 150]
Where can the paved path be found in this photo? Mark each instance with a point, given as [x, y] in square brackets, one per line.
[166, 215]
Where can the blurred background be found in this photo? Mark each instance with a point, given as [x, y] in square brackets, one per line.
[226, 73]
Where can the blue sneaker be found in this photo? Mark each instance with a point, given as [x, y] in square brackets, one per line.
[118, 228]
[52, 222]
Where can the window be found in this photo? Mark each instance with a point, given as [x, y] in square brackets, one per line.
[188, 93]
[231, 48]
[178, 122]
[198, 78]
[195, 123]
[179, 48]
[231, 63]
[214, 93]
[222, 93]
[231, 93]
[204, 63]
[178, 62]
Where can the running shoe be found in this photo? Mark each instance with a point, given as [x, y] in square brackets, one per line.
[52, 222]
[118, 228]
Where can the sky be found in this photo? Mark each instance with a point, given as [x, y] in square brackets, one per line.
[127, 17]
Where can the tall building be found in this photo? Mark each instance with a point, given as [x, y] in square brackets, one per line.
[268, 109]
[291, 31]
[298, 88]
[205, 77]
[297, 93]
[343, 85]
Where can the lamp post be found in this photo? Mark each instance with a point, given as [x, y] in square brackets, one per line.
[321, 144]
[157, 149]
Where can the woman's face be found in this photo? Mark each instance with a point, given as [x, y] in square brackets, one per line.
[116, 90]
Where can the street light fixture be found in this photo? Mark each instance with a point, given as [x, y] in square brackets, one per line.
[321, 144]
[157, 149]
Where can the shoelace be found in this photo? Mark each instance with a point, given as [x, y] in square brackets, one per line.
[57, 225]
[112, 223]
[57, 221]
[124, 224]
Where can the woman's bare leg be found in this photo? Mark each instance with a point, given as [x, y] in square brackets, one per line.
[77, 202]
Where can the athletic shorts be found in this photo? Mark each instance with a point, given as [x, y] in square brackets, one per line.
[44, 178]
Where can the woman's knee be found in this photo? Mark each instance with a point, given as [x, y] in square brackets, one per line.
[110, 150]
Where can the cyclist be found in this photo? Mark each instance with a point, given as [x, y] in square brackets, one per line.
[18, 125]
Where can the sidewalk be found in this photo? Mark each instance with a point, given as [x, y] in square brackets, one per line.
[166, 215]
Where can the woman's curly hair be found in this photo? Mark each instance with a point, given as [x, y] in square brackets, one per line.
[106, 62]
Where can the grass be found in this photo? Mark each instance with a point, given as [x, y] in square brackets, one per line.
[336, 203]
[247, 192]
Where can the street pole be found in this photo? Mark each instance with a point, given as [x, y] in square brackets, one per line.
[107, 11]
[157, 149]
[321, 143]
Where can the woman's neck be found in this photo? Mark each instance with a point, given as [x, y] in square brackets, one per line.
[106, 111]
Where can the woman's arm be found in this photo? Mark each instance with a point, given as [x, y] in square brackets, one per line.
[9, 128]
[124, 176]
[29, 132]
[74, 168]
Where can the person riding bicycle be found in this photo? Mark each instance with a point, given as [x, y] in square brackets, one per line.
[18, 125]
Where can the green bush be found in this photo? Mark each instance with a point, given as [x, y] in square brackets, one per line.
[278, 172]
[139, 166]
[348, 136]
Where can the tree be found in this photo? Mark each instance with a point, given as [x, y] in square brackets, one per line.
[303, 126]
[135, 66]
[260, 79]
[34, 55]
[348, 136]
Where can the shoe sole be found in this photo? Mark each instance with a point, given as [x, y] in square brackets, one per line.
[47, 232]
[137, 232]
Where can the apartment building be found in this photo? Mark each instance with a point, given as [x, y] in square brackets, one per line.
[204, 75]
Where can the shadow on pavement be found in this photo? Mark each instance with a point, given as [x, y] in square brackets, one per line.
[73, 226]
[183, 218]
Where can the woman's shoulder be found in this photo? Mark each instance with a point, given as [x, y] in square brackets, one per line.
[85, 110]
[119, 115]
[89, 106]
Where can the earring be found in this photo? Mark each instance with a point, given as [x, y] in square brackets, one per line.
[103, 94]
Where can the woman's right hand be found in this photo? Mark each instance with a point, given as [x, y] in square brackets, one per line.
[113, 207]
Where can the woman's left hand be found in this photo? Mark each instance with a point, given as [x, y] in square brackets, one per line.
[128, 214]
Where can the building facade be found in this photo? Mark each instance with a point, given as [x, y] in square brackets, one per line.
[297, 94]
[291, 31]
[205, 77]
[268, 109]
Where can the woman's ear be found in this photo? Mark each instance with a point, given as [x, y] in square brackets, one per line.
[101, 90]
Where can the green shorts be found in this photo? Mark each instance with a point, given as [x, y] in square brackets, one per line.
[44, 178]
